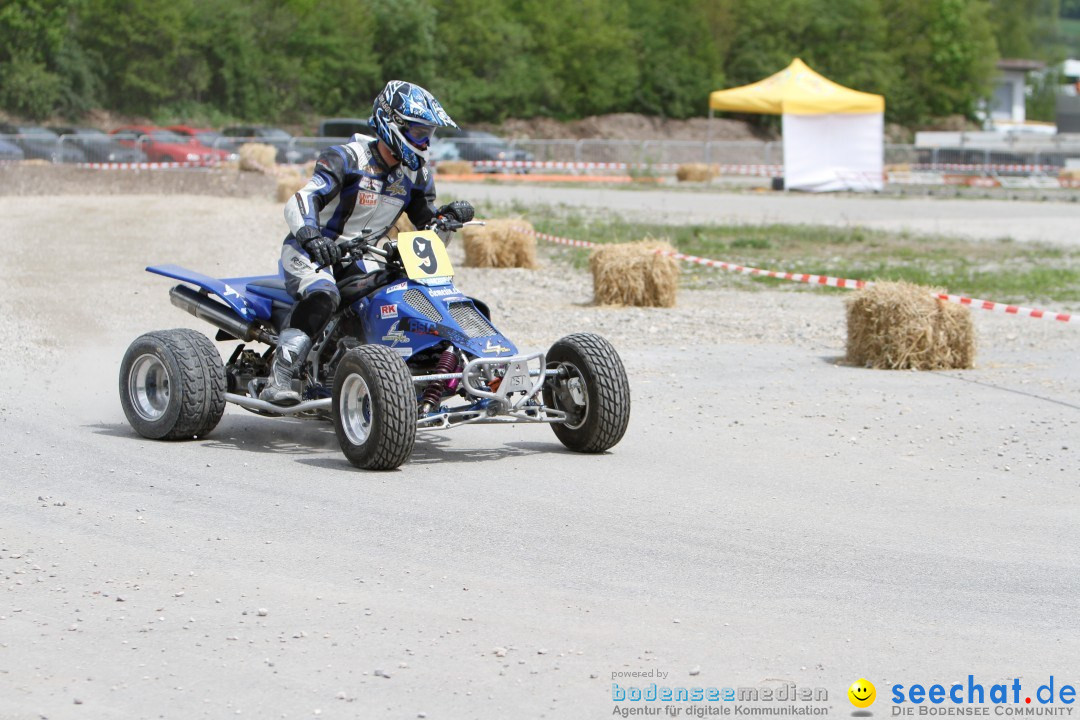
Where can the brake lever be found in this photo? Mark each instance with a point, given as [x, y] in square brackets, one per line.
[443, 223]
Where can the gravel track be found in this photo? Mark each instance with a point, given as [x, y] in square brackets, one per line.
[1053, 222]
[770, 515]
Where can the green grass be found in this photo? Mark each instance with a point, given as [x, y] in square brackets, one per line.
[1001, 270]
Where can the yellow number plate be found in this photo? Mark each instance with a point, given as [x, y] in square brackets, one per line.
[424, 255]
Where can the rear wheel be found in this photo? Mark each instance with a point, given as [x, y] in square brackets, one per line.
[591, 389]
[172, 385]
[374, 408]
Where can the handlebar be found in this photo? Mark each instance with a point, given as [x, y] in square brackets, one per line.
[363, 243]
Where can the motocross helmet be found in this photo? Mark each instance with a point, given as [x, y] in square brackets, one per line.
[405, 116]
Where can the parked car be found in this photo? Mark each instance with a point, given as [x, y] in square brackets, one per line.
[98, 145]
[162, 145]
[444, 151]
[288, 151]
[38, 142]
[475, 145]
[345, 128]
[209, 138]
[10, 152]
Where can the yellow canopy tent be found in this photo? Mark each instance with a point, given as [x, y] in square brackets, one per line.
[833, 135]
[797, 90]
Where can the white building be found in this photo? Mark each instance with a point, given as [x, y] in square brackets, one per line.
[1007, 107]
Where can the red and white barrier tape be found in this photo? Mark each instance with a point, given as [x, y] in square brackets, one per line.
[1008, 309]
[730, 267]
[141, 165]
[566, 165]
[763, 170]
[826, 280]
[758, 170]
[999, 167]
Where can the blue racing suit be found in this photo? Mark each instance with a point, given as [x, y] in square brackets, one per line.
[352, 190]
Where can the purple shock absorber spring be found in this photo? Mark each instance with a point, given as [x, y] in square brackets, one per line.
[447, 364]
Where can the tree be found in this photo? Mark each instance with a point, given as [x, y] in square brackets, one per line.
[1027, 28]
[679, 60]
[33, 38]
[274, 60]
[407, 38]
[583, 59]
[341, 71]
[486, 68]
[946, 53]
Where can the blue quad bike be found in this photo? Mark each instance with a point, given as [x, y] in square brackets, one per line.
[406, 351]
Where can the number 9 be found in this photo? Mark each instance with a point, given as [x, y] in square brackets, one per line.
[423, 250]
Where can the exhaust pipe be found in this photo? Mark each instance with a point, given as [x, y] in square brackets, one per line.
[218, 315]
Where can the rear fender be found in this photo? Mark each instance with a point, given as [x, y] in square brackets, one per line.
[247, 305]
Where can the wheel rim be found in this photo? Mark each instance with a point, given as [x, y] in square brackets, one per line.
[563, 398]
[148, 387]
[356, 409]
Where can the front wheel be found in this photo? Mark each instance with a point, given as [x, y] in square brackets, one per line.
[374, 408]
[591, 389]
[172, 385]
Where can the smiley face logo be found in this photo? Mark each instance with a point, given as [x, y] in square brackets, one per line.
[862, 693]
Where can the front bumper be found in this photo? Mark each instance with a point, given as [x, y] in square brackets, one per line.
[502, 390]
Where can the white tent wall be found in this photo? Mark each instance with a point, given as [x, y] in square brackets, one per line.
[827, 153]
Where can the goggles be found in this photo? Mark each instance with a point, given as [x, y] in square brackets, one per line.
[418, 134]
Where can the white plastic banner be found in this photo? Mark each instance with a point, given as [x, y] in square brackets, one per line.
[827, 153]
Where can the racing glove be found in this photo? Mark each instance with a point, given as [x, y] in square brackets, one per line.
[460, 210]
[322, 250]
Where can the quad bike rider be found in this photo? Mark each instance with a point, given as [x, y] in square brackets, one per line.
[359, 188]
[406, 350]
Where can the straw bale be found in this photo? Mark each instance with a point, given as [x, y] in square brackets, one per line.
[634, 274]
[288, 184]
[454, 167]
[695, 172]
[257, 157]
[501, 243]
[901, 326]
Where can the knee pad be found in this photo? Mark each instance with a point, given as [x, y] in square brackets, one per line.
[313, 311]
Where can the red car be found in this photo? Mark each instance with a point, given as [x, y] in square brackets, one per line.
[207, 137]
[166, 146]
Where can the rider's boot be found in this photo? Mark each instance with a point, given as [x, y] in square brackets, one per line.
[292, 349]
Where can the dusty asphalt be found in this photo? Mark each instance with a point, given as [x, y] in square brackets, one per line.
[771, 515]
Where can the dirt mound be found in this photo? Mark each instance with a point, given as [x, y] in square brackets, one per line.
[629, 126]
